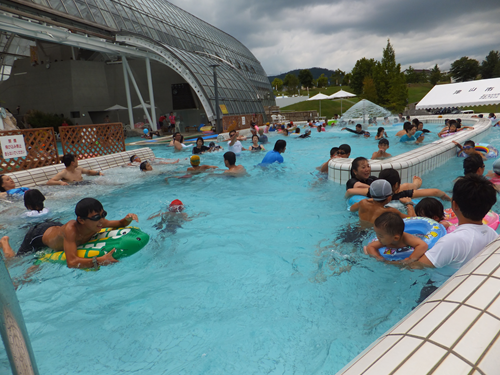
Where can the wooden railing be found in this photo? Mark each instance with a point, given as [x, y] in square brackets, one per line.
[41, 147]
[88, 141]
[235, 122]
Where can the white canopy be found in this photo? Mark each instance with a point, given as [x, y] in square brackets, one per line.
[463, 94]
[341, 94]
[319, 96]
[116, 107]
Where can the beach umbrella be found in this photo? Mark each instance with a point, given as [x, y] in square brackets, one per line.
[341, 95]
[116, 107]
[319, 97]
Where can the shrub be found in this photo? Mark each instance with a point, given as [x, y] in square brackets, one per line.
[39, 119]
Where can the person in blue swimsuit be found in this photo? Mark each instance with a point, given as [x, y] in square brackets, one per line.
[275, 155]
[412, 135]
[8, 187]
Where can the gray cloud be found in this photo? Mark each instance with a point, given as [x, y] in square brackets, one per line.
[290, 34]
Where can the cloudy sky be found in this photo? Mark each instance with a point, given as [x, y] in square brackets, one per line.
[291, 34]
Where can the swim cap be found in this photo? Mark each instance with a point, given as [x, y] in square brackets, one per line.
[176, 202]
[380, 190]
[195, 160]
[496, 166]
[176, 206]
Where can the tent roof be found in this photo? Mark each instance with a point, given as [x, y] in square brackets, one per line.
[463, 94]
[319, 96]
[341, 94]
[116, 107]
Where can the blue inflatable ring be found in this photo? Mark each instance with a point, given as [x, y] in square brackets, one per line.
[429, 231]
[357, 198]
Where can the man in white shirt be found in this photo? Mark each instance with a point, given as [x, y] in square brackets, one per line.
[234, 145]
[473, 197]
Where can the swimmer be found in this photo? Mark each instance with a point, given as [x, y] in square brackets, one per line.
[433, 209]
[469, 148]
[389, 228]
[255, 144]
[262, 137]
[90, 219]
[359, 131]
[171, 219]
[474, 164]
[274, 155]
[381, 134]
[234, 144]
[72, 172]
[178, 142]
[33, 201]
[136, 161]
[145, 166]
[212, 147]
[386, 121]
[420, 127]
[333, 155]
[196, 168]
[495, 173]
[306, 134]
[412, 135]
[232, 168]
[406, 126]
[200, 146]
[8, 187]
[383, 145]
[453, 128]
[344, 151]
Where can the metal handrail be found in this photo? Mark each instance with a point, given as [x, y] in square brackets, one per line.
[12, 328]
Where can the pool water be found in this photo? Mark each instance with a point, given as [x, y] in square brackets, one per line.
[259, 282]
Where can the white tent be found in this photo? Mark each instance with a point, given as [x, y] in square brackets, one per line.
[341, 95]
[116, 107]
[319, 97]
[463, 94]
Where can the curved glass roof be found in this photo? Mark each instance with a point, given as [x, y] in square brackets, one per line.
[243, 84]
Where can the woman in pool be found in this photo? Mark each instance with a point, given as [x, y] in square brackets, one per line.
[8, 187]
[200, 146]
[255, 144]
[381, 134]
[360, 174]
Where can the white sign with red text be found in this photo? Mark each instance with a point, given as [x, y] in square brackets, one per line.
[13, 146]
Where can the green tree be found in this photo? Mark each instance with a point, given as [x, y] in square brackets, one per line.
[347, 79]
[398, 93]
[363, 68]
[277, 84]
[337, 77]
[322, 81]
[423, 77]
[411, 75]
[435, 76]
[306, 78]
[369, 90]
[292, 83]
[490, 67]
[464, 69]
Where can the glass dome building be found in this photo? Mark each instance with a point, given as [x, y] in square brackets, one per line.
[69, 47]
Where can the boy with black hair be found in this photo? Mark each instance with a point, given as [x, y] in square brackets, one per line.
[90, 219]
[389, 228]
[33, 201]
[469, 148]
[230, 163]
[344, 151]
[72, 172]
[474, 164]
[333, 154]
[382, 153]
[473, 197]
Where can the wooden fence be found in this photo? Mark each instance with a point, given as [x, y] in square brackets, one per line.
[236, 122]
[88, 141]
[41, 147]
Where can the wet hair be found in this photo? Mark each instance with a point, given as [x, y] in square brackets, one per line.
[132, 158]
[86, 206]
[200, 139]
[472, 164]
[359, 126]
[279, 145]
[334, 150]
[255, 135]
[452, 122]
[2, 189]
[142, 167]
[391, 223]
[33, 200]
[297, 131]
[380, 130]
[474, 195]
[383, 141]
[407, 126]
[68, 159]
[492, 115]
[480, 116]
[431, 208]
[390, 175]
[415, 121]
[230, 157]
[470, 143]
[355, 164]
[346, 148]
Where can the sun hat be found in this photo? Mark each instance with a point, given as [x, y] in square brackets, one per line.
[380, 190]
[195, 160]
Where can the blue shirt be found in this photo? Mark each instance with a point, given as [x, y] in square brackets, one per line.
[271, 157]
[18, 191]
[406, 138]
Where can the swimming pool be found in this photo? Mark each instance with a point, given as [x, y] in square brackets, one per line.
[255, 284]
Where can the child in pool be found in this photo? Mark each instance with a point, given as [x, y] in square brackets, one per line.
[383, 145]
[389, 228]
[381, 134]
[469, 148]
[433, 209]
[33, 201]
[172, 219]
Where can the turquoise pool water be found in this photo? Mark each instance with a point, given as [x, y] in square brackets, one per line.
[256, 283]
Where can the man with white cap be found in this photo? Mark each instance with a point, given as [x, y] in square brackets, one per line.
[381, 195]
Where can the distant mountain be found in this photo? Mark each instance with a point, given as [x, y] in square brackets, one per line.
[316, 72]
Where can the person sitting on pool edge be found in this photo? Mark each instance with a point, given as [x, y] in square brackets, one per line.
[382, 153]
[473, 196]
[469, 148]
[389, 228]
[90, 219]
[72, 172]
[359, 131]
[8, 187]
[275, 154]
[196, 167]
[230, 163]
[381, 194]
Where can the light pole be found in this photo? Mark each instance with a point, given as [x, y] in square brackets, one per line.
[218, 127]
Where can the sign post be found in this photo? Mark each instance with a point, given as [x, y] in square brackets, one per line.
[13, 146]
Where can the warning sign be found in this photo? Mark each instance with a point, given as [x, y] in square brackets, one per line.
[13, 146]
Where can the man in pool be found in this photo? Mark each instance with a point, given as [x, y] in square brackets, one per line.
[274, 156]
[90, 219]
[72, 172]
[234, 144]
[359, 131]
[232, 168]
